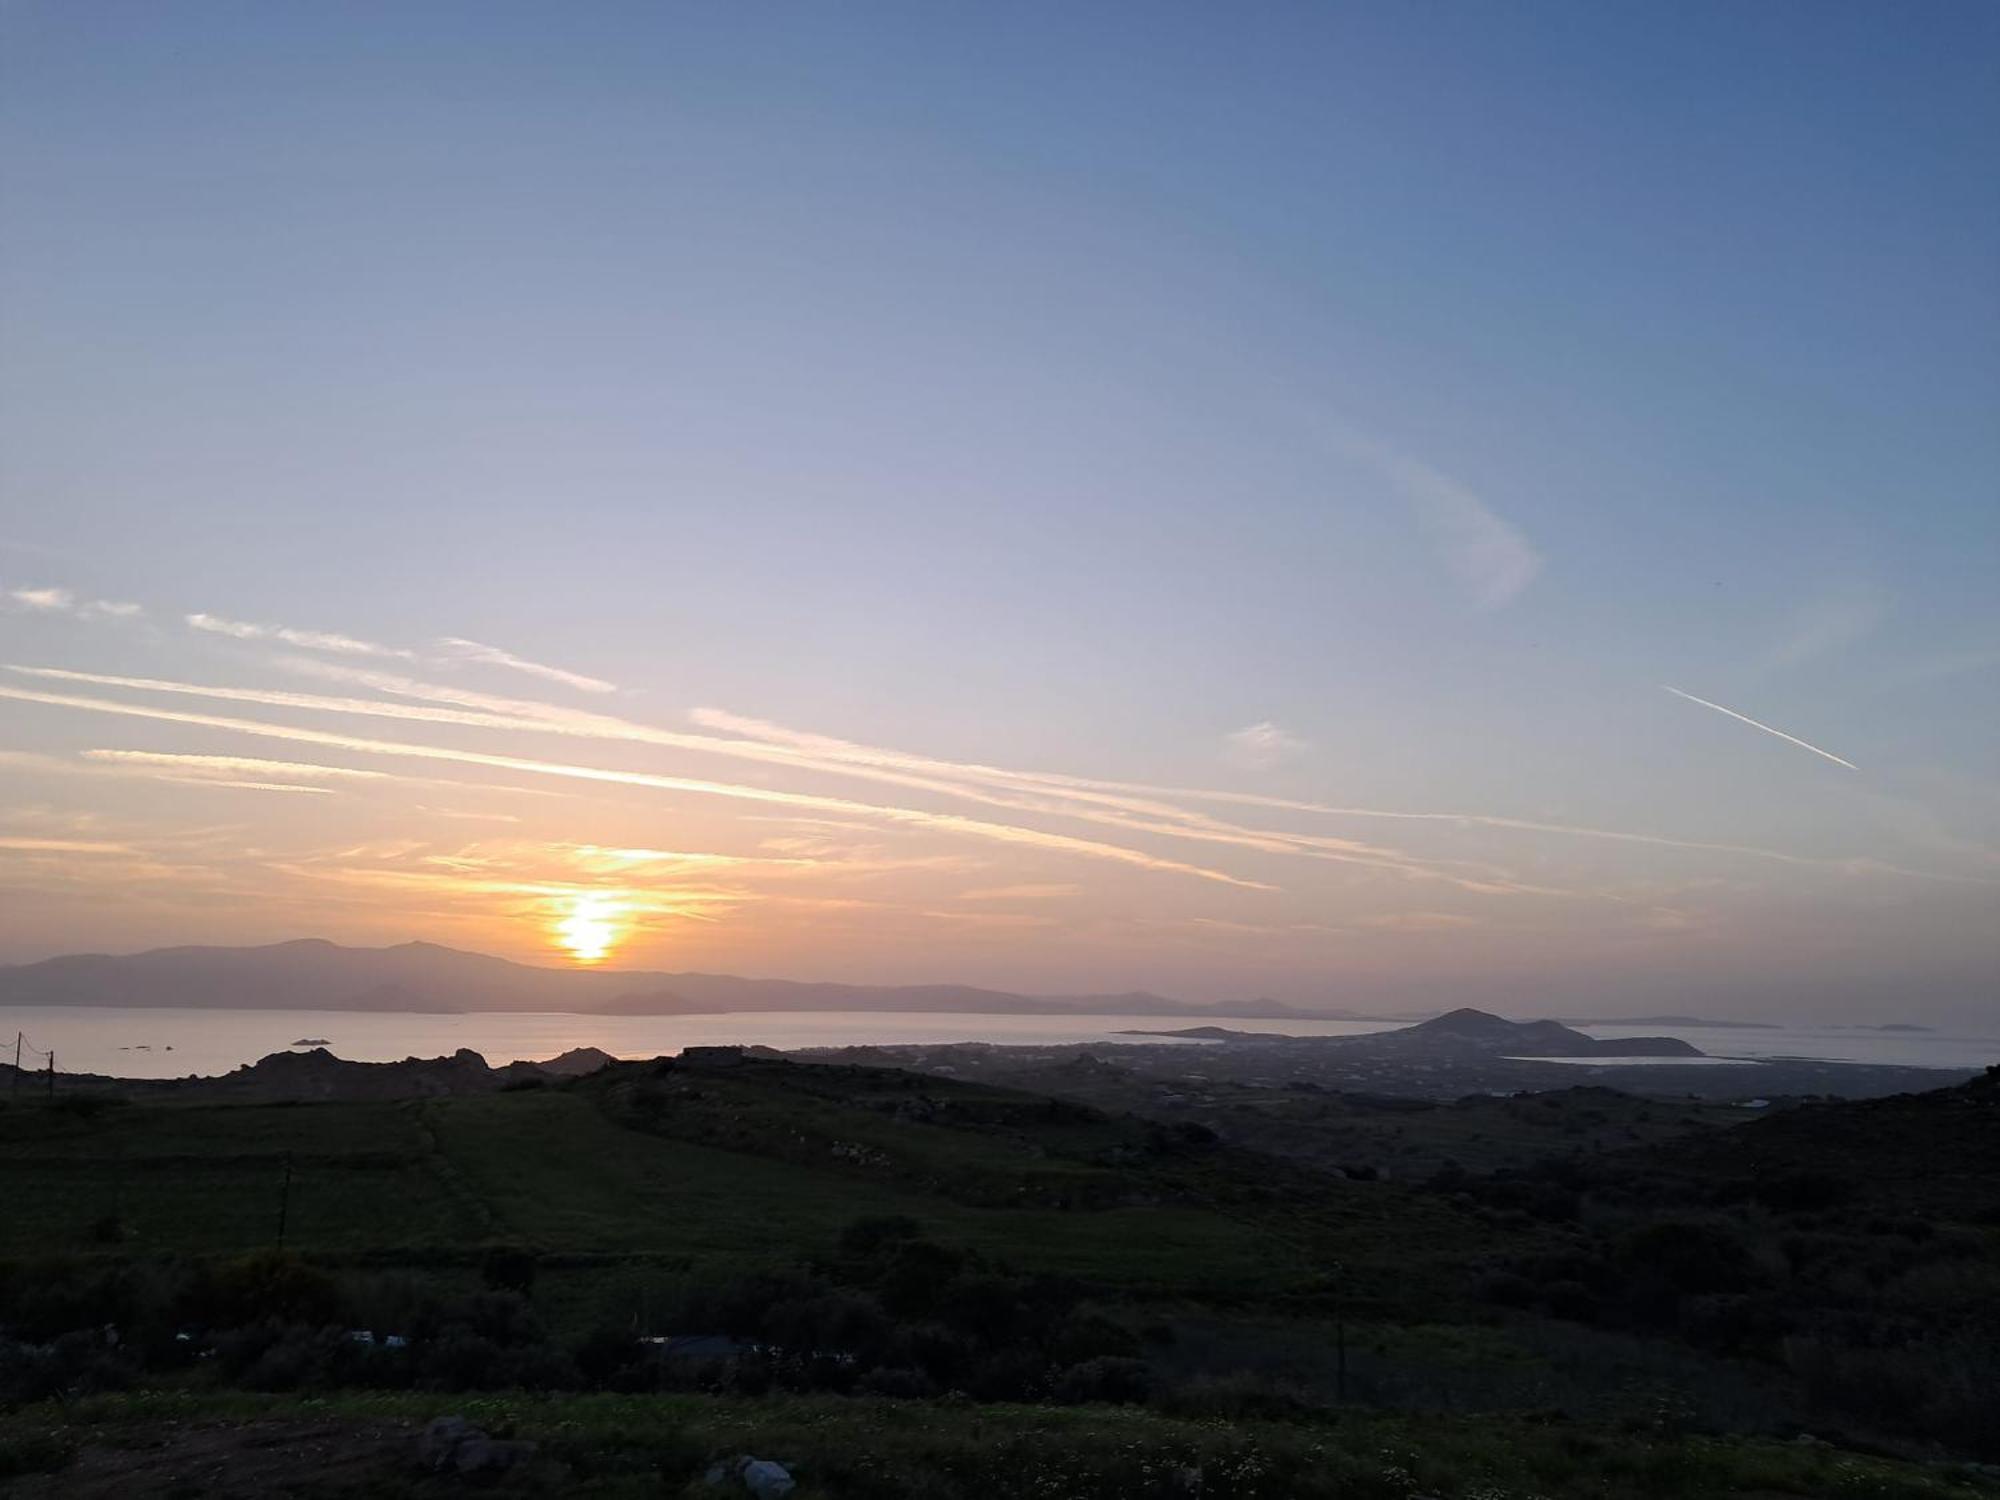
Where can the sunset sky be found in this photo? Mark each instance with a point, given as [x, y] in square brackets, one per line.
[1237, 501]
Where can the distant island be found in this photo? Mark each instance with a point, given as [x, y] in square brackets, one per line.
[1457, 1033]
[1704, 1022]
[419, 978]
[425, 978]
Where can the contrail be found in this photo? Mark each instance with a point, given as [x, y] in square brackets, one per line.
[1792, 738]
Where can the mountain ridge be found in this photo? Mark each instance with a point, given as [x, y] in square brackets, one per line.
[420, 977]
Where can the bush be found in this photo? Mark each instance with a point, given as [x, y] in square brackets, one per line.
[605, 1356]
[1114, 1378]
[77, 1364]
[34, 1453]
[275, 1285]
[870, 1236]
[1689, 1256]
[508, 1268]
[1238, 1397]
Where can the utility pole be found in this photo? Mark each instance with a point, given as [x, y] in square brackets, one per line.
[1340, 1361]
[285, 1200]
[1339, 1334]
[14, 1084]
[52, 1075]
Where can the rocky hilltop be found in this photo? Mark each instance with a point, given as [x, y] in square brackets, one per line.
[317, 1076]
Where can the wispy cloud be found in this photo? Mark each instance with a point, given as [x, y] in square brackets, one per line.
[60, 846]
[1017, 792]
[1029, 891]
[43, 599]
[29, 761]
[1486, 553]
[1754, 724]
[949, 823]
[464, 650]
[61, 601]
[1260, 746]
[1827, 624]
[1954, 662]
[309, 640]
[230, 765]
[1154, 811]
[466, 815]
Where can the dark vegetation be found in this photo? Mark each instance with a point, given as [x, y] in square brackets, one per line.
[1854, 1247]
[932, 1286]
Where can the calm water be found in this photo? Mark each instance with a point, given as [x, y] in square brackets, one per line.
[136, 1043]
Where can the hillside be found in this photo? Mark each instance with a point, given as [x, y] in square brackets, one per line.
[1934, 1153]
[890, 1238]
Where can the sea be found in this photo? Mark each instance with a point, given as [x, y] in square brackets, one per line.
[166, 1043]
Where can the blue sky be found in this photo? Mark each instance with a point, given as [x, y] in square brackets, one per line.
[1061, 389]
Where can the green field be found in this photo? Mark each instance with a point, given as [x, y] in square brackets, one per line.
[960, 1247]
[558, 1172]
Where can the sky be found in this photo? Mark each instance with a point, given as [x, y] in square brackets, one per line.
[1353, 504]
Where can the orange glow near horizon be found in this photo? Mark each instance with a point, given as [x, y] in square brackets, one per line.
[589, 929]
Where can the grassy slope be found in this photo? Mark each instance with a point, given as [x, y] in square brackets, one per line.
[607, 1446]
[763, 1163]
[1935, 1153]
[210, 1179]
[1401, 1137]
[561, 1175]
[620, 1176]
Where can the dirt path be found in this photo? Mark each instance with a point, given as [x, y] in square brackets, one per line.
[231, 1461]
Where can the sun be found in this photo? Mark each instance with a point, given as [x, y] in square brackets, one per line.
[590, 929]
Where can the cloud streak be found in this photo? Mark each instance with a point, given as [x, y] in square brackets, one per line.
[62, 602]
[1791, 739]
[1260, 746]
[941, 822]
[229, 765]
[464, 650]
[58, 600]
[310, 640]
[61, 846]
[1021, 792]
[1490, 558]
[1159, 811]
[1827, 624]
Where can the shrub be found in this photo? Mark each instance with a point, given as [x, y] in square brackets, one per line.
[34, 1453]
[275, 1285]
[1114, 1378]
[508, 1268]
[1236, 1397]
[870, 1236]
[1689, 1256]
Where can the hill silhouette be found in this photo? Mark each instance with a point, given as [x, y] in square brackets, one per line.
[1460, 1033]
[1935, 1153]
[314, 974]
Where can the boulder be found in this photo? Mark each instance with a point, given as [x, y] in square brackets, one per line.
[761, 1477]
[441, 1439]
[480, 1454]
[454, 1443]
[767, 1480]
